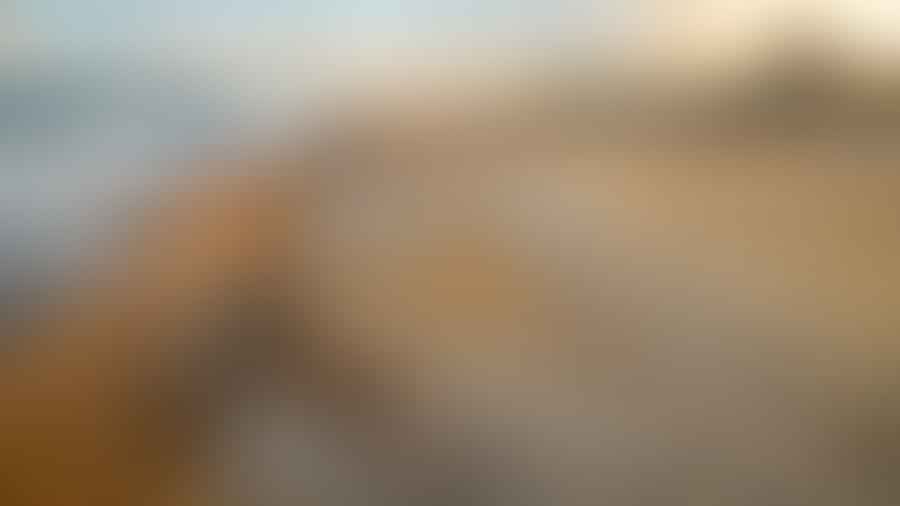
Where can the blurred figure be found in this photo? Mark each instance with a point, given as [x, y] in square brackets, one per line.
[665, 275]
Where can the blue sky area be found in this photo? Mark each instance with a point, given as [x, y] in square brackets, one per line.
[114, 25]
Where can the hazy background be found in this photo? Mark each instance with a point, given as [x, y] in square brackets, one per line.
[99, 97]
[102, 102]
[95, 95]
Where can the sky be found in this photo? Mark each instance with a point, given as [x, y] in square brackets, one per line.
[105, 24]
[264, 44]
